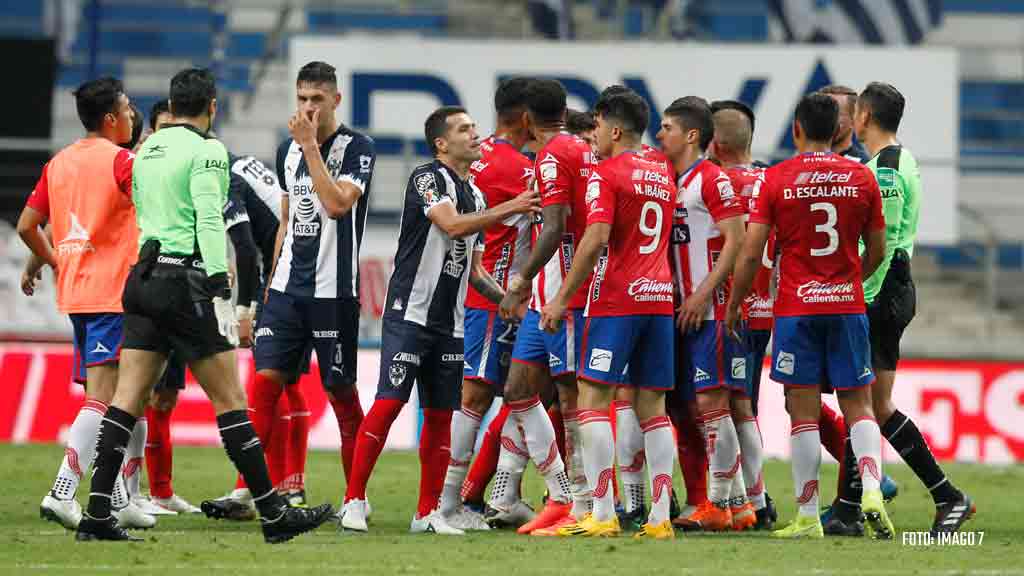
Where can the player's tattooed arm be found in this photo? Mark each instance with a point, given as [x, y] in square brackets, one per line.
[747, 264]
[691, 313]
[543, 249]
[482, 281]
[594, 240]
[874, 252]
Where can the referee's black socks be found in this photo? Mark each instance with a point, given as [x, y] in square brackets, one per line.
[115, 432]
[244, 449]
[903, 435]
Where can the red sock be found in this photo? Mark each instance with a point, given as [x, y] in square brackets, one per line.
[693, 457]
[486, 461]
[277, 449]
[263, 398]
[555, 413]
[298, 438]
[832, 426]
[369, 442]
[435, 451]
[159, 453]
[349, 414]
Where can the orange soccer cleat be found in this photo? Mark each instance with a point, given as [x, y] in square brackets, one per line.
[707, 517]
[743, 517]
[553, 512]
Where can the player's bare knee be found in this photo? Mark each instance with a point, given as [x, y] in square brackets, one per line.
[715, 399]
[101, 383]
[804, 404]
[516, 386]
[594, 396]
[742, 408]
[477, 395]
[648, 404]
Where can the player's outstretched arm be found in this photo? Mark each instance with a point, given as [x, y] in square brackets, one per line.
[456, 225]
[29, 227]
[747, 264]
[482, 280]
[594, 240]
[543, 249]
[874, 252]
[691, 313]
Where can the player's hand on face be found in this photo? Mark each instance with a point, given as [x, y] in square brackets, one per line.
[551, 316]
[302, 128]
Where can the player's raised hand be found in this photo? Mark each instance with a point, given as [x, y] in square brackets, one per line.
[551, 316]
[527, 202]
[303, 128]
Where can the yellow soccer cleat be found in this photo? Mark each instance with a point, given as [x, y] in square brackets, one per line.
[661, 531]
[878, 525]
[801, 527]
[593, 528]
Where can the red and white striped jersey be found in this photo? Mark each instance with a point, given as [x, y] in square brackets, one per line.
[705, 197]
[562, 169]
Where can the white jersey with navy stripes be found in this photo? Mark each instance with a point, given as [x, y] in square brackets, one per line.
[254, 196]
[431, 275]
[320, 255]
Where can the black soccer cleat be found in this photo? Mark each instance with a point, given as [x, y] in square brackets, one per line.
[227, 509]
[294, 521]
[950, 516]
[91, 529]
[673, 506]
[633, 521]
[767, 516]
[836, 525]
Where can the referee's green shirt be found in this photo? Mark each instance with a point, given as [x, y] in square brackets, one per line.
[899, 179]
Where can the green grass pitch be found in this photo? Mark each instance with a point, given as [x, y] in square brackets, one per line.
[195, 545]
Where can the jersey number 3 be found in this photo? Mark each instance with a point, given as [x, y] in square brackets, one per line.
[828, 228]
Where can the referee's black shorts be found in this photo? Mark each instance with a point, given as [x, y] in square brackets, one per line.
[891, 312]
[169, 309]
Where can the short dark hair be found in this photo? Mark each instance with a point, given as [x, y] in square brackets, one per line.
[436, 125]
[545, 99]
[137, 121]
[886, 105]
[317, 72]
[159, 107]
[840, 90]
[719, 105]
[97, 98]
[818, 116]
[627, 108]
[191, 92]
[510, 97]
[577, 122]
[693, 113]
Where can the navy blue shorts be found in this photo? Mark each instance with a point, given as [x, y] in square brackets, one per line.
[97, 341]
[489, 341]
[629, 351]
[410, 353]
[712, 359]
[289, 327]
[558, 351]
[831, 351]
[757, 347]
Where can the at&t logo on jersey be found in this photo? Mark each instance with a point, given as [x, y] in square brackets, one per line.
[456, 263]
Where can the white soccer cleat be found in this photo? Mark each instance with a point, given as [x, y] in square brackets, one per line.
[177, 504]
[465, 519]
[434, 522]
[518, 514]
[241, 494]
[687, 511]
[369, 509]
[131, 517]
[67, 513]
[353, 516]
[152, 508]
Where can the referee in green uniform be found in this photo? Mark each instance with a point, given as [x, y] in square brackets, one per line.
[178, 297]
[890, 294]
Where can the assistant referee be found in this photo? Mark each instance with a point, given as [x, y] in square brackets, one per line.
[178, 297]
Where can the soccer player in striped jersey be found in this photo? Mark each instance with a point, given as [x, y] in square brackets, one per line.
[440, 252]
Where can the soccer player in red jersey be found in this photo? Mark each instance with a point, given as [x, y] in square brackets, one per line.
[629, 311]
[819, 205]
[501, 174]
[734, 130]
[707, 234]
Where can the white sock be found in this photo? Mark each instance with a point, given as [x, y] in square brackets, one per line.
[723, 455]
[119, 497]
[738, 490]
[866, 439]
[660, 446]
[598, 459]
[465, 425]
[539, 433]
[512, 459]
[132, 469]
[80, 450]
[582, 495]
[629, 451]
[752, 455]
[805, 452]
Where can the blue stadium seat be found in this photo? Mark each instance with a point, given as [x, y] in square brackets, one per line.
[984, 6]
[151, 43]
[247, 45]
[22, 9]
[983, 96]
[153, 14]
[333, 20]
